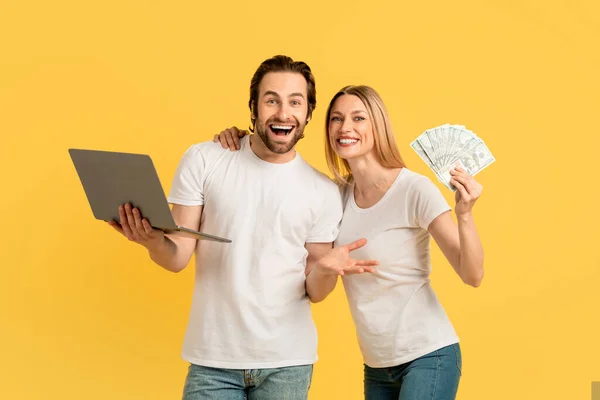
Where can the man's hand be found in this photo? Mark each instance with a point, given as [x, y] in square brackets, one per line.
[338, 261]
[136, 228]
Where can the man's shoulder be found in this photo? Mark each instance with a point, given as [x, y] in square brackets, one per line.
[320, 181]
[208, 154]
[206, 149]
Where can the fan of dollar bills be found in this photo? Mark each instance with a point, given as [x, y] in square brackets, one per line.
[447, 146]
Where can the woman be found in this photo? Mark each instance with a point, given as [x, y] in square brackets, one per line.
[409, 346]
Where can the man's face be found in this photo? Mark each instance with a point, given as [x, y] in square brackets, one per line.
[282, 108]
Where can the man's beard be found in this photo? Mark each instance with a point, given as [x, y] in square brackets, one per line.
[279, 148]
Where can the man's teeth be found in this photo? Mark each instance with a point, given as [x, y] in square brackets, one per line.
[348, 141]
[281, 129]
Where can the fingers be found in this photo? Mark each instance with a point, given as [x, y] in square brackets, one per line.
[147, 227]
[473, 187]
[230, 138]
[462, 179]
[132, 224]
[231, 133]
[236, 137]
[125, 223]
[139, 226]
[461, 189]
[223, 139]
[458, 172]
[357, 270]
[354, 267]
[367, 263]
[131, 221]
[356, 244]
[116, 226]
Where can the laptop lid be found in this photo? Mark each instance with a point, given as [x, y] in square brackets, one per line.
[111, 179]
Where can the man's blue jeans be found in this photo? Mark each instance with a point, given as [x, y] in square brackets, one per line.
[434, 376]
[287, 383]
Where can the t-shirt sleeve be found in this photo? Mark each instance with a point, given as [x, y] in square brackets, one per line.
[327, 224]
[428, 202]
[187, 188]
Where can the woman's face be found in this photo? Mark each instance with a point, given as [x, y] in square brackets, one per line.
[349, 129]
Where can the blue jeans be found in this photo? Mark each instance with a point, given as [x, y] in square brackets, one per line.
[287, 383]
[434, 376]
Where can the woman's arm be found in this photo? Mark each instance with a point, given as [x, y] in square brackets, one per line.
[461, 246]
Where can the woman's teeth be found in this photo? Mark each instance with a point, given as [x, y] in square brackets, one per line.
[348, 141]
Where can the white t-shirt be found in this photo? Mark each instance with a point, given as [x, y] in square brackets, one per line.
[397, 315]
[250, 309]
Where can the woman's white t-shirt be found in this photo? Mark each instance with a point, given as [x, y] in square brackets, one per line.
[397, 315]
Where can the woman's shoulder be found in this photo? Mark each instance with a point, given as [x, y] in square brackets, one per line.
[417, 185]
[412, 180]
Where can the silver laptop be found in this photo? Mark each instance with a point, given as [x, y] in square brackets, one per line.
[111, 179]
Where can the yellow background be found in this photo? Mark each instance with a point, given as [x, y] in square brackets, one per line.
[85, 314]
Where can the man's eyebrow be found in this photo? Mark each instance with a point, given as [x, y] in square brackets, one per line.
[272, 93]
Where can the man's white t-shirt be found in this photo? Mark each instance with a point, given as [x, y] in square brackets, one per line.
[250, 309]
[397, 315]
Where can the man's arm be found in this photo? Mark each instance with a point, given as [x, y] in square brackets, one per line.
[318, 283]
[172, 252]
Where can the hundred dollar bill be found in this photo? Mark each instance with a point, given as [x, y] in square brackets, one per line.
[472, 160]
[419, 150]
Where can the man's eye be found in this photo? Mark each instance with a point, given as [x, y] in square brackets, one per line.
[295, 102]
[271, 101]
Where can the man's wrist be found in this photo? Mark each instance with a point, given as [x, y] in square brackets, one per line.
[158, 246]
[321, 271]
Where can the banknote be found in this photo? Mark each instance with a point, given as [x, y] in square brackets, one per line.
[419, 149]
[448, 146]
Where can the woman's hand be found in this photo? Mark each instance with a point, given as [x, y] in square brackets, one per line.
[230, 138]
[468, 191]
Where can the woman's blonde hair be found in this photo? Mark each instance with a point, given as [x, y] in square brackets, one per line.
[385, 142]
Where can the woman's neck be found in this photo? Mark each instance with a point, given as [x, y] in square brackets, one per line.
[371, 179]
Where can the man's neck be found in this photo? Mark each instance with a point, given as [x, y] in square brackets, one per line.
[262, 151]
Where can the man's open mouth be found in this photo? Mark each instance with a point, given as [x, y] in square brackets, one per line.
[281, 130]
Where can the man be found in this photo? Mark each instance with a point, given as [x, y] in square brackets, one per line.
[251, 332]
